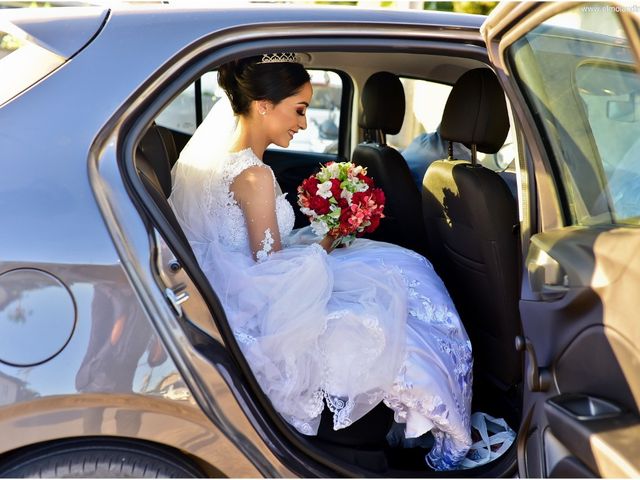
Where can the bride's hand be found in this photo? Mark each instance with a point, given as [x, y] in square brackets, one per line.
[327, 242]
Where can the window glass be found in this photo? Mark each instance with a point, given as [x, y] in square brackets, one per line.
[210, 91]
[22, 64]
[419, 140]
[180, 114]
[323, 115]
[578, 74]
[611, 96]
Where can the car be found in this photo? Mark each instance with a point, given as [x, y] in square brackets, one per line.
[116, 358]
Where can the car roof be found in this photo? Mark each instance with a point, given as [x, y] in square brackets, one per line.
[136, 44]
[300, 10]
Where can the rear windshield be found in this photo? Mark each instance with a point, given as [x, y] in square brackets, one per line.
[22, 63]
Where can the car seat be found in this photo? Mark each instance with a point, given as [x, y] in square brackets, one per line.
[383, 106]
[472, 220]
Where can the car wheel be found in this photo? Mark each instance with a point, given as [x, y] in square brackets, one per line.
[98, 459]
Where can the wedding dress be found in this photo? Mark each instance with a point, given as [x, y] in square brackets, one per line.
[368, 323]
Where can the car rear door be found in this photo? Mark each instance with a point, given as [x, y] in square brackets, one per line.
[571, 72]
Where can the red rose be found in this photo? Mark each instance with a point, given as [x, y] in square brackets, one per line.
[342, 203]
[345, 226]
[335, 188]
[375, 222]
[319, 205]
[378, 196]
[366, 179]
[310, 185]
[358, 198]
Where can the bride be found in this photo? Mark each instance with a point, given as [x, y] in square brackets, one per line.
[351, 327]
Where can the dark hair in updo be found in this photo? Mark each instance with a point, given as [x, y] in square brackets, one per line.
[247, 80]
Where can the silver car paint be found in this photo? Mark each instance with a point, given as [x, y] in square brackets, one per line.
[66, 211]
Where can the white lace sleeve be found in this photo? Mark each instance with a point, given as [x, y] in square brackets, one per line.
[254, 191]
[267, 246]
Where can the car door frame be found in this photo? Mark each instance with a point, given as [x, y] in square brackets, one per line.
[301, 456]
[545, 227]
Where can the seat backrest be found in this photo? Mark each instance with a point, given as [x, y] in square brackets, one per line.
[155, 149]
[383, 106]
[153, 162]
[471, 216]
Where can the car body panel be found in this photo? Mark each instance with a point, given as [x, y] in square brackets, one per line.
[43, 27]
[33, 38]
[168, 421]
[51, 185]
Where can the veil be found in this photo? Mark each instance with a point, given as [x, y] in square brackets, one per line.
[200, 162]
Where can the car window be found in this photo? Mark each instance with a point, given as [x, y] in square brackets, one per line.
[187, 110]
[611, 96]
[22, 63]
[184, 113]
[578, 74]
[425, 104]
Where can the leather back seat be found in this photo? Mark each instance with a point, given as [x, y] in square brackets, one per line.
[383, 106]
[472, 220]
[154, 158]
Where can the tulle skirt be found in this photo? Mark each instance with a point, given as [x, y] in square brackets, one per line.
[365, 324]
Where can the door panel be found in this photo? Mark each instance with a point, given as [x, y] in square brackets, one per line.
[596, 432]
[585, 343]
[574, 70]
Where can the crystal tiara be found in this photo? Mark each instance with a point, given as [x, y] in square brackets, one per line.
[284, 57]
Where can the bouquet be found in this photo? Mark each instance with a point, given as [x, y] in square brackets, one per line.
[341, 200]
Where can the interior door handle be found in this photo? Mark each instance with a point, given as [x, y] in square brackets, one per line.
[538, 378]
[547, 277]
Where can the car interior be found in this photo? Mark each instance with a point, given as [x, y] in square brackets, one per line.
[464, 220]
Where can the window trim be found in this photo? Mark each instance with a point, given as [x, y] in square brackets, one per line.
[197, 96]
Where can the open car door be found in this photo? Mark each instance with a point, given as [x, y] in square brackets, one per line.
[571, 72]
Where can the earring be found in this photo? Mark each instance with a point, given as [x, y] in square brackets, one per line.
[264, 112]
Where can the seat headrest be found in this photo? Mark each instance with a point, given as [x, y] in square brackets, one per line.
[382, 103]
[476, 112]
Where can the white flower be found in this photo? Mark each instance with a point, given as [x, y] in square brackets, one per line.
[361, 187]
[356, 170]
[346, 194]
[324, 189]
[319, 228]
[334, 170]
[308, 212]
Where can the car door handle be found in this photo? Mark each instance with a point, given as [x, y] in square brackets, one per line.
[538, 378]
[546, 276]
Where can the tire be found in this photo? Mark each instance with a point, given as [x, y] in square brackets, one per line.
[98, 459]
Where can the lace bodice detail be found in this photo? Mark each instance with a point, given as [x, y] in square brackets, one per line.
[227, 214]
